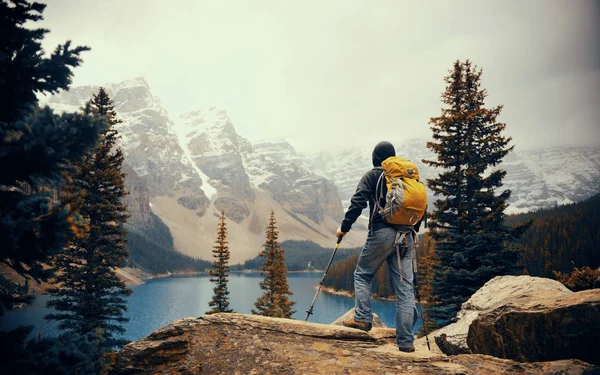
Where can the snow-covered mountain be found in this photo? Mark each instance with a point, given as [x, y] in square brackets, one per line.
[537, 178]
[187, 169]
[147, 137]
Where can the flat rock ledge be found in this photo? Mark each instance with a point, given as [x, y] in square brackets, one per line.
[249, 344]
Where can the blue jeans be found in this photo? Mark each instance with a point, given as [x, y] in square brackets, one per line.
[380, 247]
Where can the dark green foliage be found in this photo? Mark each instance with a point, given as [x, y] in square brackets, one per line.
[88, 295]
[274, 302]
[298, 254]
[220, 270]
[35, 144]
[23, 68]
[341, 275]
[472, 243]
[67, 354]
[151, 249]
[561, 238]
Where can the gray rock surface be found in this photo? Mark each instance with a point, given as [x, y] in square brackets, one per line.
[541, 326]
[452, 339]
[248, 344]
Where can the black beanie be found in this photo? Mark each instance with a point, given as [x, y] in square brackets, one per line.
[382, 151]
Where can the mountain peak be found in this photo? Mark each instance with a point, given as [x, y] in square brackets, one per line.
[214, 122]
[130, 83]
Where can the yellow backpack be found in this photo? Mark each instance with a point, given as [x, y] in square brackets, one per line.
[406, 198]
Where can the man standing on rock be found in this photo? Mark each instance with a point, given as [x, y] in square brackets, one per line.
[378, 248]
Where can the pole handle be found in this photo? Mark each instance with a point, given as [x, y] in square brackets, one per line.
[340, 238]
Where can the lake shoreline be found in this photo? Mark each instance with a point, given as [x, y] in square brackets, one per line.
[349, 294]
[157, 303]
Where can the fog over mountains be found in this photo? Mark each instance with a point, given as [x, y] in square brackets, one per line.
[188, 168]
[537, 178]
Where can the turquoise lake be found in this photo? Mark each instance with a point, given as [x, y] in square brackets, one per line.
[160, 301]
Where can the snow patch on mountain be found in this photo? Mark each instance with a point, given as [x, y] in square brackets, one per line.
[146, 135]
[188, 169]
[539, 178]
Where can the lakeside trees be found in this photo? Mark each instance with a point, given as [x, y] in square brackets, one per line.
[220, 271]
[275, 300]
[88, 295]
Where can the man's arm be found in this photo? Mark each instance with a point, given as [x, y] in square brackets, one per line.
[358, 202]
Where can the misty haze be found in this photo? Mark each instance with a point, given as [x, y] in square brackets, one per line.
[194, 156]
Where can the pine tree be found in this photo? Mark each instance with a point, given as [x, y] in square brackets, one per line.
[274, 302]
[35, 144]
[91, 297]
[219, 272]
[427, 264]
[472, 243]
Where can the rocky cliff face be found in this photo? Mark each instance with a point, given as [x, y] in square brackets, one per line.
[138, 199]
[187, 169]
[148, 140]
[248, 344]
[277, 168]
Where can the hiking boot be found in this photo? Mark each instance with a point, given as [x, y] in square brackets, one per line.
[407, 350]
[363, 326]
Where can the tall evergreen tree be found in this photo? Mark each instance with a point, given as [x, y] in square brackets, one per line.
[274, 302]
[219, 272]
[35, 145]
[472, 243]
[91, 297]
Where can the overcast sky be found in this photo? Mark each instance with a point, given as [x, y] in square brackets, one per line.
[324, 74]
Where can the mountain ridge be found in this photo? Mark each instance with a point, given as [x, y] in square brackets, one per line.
[187, 169]
[194, 165]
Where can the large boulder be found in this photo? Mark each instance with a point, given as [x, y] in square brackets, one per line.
[542, 326]
[249, 344]
[499, 291]
[377, 323]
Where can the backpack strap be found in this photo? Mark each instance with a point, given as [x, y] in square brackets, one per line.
[377, 196]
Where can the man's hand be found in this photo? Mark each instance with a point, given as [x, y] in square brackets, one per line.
[340, 233]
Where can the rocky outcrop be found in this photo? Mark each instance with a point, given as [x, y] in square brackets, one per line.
[277, 168]
[235, 209]
[138, 199]
[496, 293]
[377, 323]
[541, 326]
[247, 344]
[196, 204]
[213, 145]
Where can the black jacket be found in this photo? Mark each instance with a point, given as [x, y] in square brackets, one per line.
[365, 195]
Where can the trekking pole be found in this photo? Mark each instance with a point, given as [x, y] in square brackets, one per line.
[310, 311]
[418, 294]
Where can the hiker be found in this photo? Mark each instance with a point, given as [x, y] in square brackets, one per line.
[381, 245]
